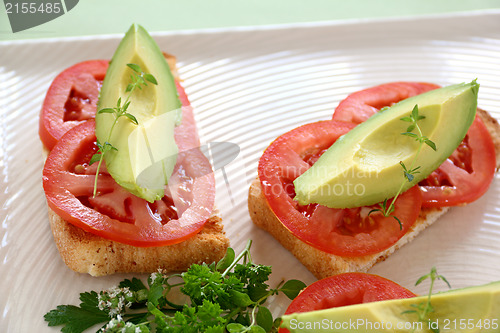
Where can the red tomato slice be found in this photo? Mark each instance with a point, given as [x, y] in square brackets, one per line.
[182, 94]
[461, 179]
[345, 232]
[466, 175]
[361, 105]
[116, 214]
[346, 289]
[71, 99]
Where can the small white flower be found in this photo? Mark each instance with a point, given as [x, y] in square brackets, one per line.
[154, 276]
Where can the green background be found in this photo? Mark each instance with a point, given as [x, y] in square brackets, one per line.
[95, 17]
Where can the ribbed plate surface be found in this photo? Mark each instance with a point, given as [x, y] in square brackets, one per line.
[248, 87]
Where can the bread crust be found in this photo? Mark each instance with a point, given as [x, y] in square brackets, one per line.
[494, 129]
[85, 252]
[322, 264]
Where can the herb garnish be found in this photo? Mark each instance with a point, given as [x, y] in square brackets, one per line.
[138, 80]
[223, 296]
[408, 173]
[423, 309]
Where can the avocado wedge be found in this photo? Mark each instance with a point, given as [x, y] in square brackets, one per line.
[144, 153]
[363, 167]
[467, 310]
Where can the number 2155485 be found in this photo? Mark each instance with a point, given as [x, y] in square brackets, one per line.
[33, 7]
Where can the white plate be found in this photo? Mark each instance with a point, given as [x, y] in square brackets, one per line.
[247, 87]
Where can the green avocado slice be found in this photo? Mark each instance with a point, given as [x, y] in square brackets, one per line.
[473, 309]
[363, 167]
[145, 153]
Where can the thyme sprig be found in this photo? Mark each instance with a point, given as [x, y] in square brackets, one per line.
[408, 172]
[138, 79]
[425, 308]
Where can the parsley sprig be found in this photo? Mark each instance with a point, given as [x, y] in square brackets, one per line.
[425, 308]
[408, 172]
[137, 80]
[227, 296]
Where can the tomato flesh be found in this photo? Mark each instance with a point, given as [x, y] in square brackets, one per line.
[346, 289]
[71, 99]
[344, 232]
[464, 177]
[361, 105]
[118, 215]
[67, 128]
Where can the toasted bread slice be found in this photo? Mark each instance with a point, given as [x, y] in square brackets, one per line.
[323, 264]
[85, 252]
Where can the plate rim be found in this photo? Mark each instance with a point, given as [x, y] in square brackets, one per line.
[266, 27]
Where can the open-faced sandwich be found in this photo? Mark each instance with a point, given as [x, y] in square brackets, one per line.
[325, 190]
[127, 187]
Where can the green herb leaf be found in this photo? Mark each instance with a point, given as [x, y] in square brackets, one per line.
[410, 134]
[130, 87]
[77, 319]
[125, 107]
[225, 262]
[375, 210]
[135, 68]
[240, 298]
[414, 113]
[409, 176]
[415, 170]
[257, 329]
[155, 293]
[108, 146]
[95, 158]
[292, 288]
[442, 278]
[422, 279]
[106, 110]
[384, 205]
[131, 117]
[411, 128]
[135, 284]
[399, 221]
[236, 328]
[264, 318]
[150, 78]
[431, 144]
[257, 293]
